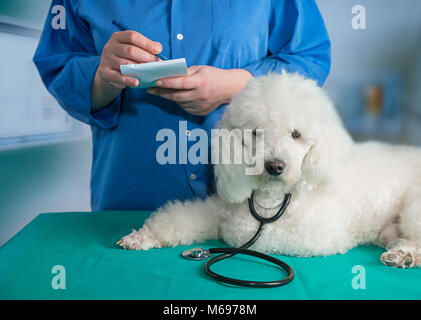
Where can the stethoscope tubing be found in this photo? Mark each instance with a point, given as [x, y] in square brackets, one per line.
[229, 252]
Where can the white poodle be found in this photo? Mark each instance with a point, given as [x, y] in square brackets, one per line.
[344, 194]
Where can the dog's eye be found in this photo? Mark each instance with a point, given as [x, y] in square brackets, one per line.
[296, 134]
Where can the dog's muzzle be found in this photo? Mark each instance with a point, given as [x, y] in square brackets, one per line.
[275, 168]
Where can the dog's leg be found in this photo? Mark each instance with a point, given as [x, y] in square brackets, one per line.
[402, 253]
[177, 223]
[403, 239]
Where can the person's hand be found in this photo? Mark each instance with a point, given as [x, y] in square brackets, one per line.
[203, 89]
[127, 47]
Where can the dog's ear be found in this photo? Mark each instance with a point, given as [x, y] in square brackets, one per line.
[232, 182]
[327, 154]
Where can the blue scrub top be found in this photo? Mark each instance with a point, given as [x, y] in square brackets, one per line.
[260, 36]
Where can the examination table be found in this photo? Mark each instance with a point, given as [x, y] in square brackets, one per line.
[83, 244]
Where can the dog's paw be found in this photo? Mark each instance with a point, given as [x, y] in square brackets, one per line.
[140, 240]
[399, 258]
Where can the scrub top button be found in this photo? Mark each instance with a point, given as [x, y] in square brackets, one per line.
[188, 133]
[193, 176]
[180, 36]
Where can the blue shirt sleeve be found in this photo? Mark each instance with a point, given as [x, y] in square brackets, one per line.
[298, 41]
[67, 61]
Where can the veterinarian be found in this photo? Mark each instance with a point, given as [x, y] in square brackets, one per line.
[225, 42]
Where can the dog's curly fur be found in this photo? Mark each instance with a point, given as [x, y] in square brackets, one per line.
[344, 194]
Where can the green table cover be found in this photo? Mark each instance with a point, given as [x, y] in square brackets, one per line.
[95, 268]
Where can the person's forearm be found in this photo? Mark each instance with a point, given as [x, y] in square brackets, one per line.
[102, 94]
[237, 80]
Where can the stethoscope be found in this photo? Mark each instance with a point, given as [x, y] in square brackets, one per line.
[200, 254]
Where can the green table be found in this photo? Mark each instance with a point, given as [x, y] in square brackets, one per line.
[95, 268]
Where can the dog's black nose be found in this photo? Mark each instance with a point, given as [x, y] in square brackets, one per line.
[275, 168]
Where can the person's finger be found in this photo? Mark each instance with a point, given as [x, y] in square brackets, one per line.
[113, 76]
[189, 110]
[190, 107]
[190, 104]
[114, 62]
[195, 108]
[173, 94]
[180, 83]
[191, 81]
[117, 85]
[139, 40]
[193, 70]
[131, 52]
[193, 111]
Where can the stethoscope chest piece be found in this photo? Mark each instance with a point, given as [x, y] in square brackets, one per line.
[196, 254]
